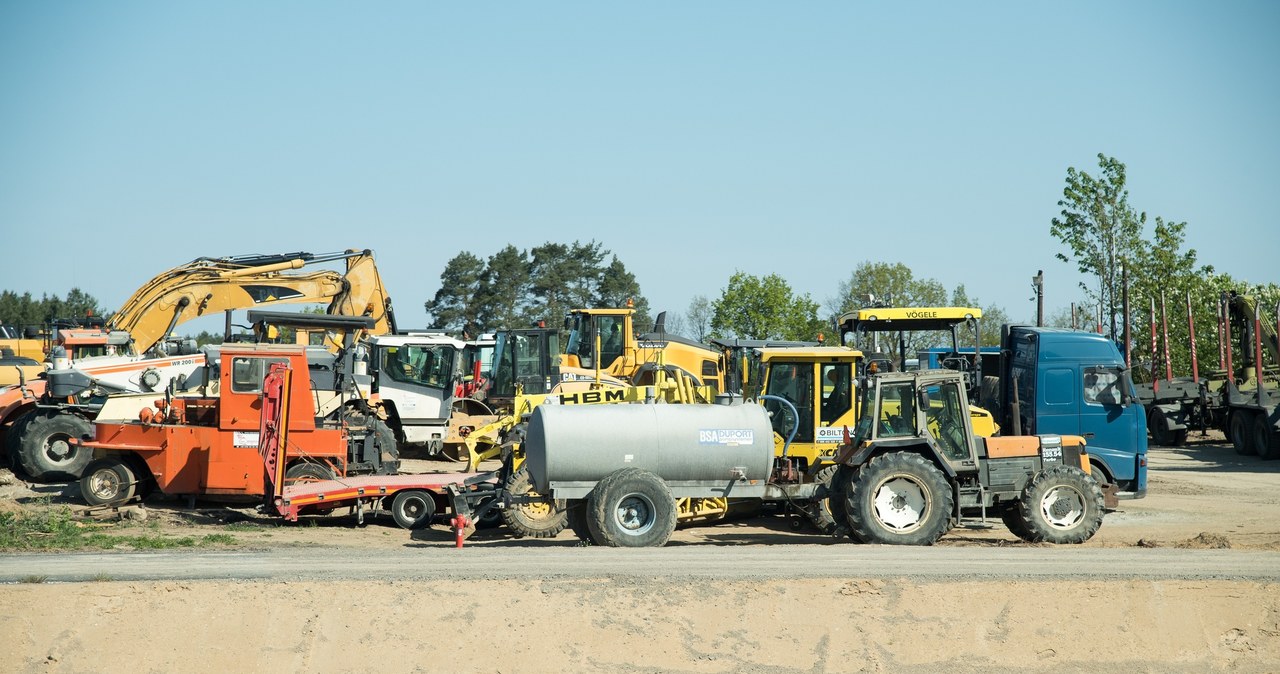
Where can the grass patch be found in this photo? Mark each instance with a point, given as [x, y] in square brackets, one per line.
[241, 526]
[101, 577]
[57, 529]
[33, 579]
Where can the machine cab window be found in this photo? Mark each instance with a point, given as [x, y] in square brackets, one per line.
[837, 395]
[421, 365]
[247, 373]
[1102, 386]
[945, 416]
[793, 381]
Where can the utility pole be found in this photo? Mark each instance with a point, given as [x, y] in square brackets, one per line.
[1037, 283]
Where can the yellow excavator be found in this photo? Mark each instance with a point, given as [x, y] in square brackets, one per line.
[39, 416]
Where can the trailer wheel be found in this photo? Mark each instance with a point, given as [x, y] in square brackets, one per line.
[1060, 505]
[1241, 437]
[631, 508]
[45, 451]
[106, 481]
[1158, 424]
[1265, 438]
[899, 498]
[413, 508]
[543, 518]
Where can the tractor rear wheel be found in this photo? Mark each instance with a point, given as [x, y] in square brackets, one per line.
[1265, 438]
[631, 508]
[1060, 505]
[543, 518]
[413, 509]
[1241, 435]
[899, 498]
[106, 481]
[45, 449]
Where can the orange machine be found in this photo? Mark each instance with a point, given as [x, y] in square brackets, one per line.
[205, 442]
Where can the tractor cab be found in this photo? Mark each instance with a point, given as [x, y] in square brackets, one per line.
[928, 407]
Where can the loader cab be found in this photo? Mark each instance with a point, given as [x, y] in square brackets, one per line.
[611, 327]
[525, 360]
[415, 378]
[819, 381]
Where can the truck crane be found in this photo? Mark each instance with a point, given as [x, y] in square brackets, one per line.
[39, 418]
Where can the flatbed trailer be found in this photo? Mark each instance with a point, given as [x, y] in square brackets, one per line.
[413, 500]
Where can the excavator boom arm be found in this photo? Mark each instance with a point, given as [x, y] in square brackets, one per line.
[208, 286]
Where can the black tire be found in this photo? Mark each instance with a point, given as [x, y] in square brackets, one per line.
[1265, 438]
[543, 519]
[1013, 520]
[1157, 424]
[989, 394]
[825, 519]
[838, 493]
[11, 444]
[899, 498]
[576, 516]
[388, 449]
[1241, 433]
[1060, 505]
[45, 452]
[106, 481]
[1099, 474]
[306, 471]
[413, 508]
[631, 508]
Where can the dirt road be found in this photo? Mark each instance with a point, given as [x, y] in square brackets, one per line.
[1185, 580]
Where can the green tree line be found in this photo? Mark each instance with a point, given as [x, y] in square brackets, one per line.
[23, 310]
[1111, 242]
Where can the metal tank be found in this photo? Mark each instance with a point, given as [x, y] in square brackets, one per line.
[699, 450]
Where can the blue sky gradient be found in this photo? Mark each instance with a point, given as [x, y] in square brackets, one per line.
[692, 139]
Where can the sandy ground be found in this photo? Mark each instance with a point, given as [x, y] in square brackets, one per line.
[1201, 496]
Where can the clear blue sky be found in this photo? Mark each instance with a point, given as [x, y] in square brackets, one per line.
[692, 139]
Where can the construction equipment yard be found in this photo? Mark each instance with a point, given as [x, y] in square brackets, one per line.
[1183, 580]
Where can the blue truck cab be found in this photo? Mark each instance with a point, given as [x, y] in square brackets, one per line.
[1069, 382]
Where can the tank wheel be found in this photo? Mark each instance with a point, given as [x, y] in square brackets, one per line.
[1158, 424]
[576, 517]
[1241, 437]
[543, 518]
[413, 508]
[306, 471]
[1060, 505]
[1265, 438]
[899, 498]
[45, 451]
[631, 508]
[106, 481]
